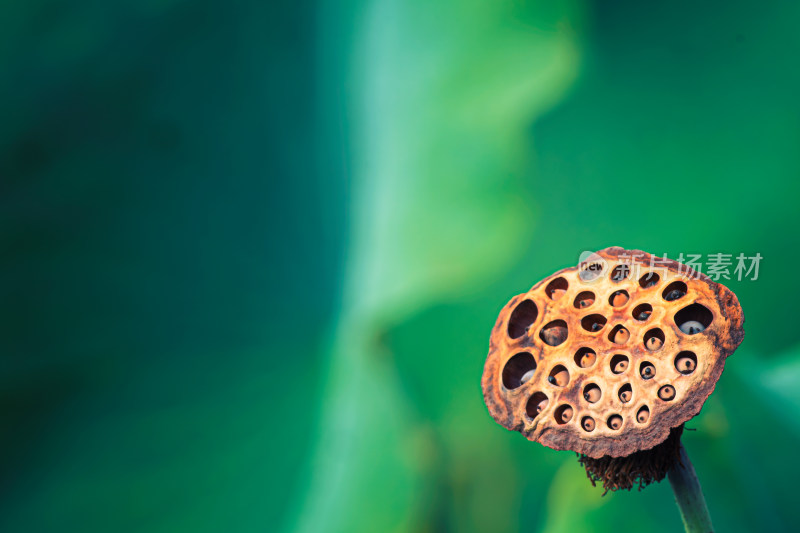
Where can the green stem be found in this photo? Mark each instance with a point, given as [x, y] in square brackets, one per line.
[689, 496]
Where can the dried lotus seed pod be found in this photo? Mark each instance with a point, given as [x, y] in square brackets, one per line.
[625, 348]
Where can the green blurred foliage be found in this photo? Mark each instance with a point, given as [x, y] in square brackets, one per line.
[253, 253]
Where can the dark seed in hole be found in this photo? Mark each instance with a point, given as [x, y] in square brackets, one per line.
[564, 414]
[642, 312]
[584, 300]
[556, 288]
[647, 370]
[593, 323]
[693, 319]
[625, 393]
[587, 423]
[619, 364]
[559, 376]
[685, 362]
[615, 421]
[643, 415]
[554, 333]
[619, 298]
[654, 339]
[620, 335]
[654, 343]
[666, 393]
[674, 295]
[585, 357]
[674, 291]
[536, 404]
[692, 327]
[592, 393]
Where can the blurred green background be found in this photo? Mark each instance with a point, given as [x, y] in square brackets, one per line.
[252, 253]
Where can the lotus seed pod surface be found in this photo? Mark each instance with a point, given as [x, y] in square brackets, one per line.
[606, 357]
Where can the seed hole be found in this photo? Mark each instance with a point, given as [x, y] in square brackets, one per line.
[619, 335]
[649, 280]
[614, 422]
[647, 370]
[558, 376]
[685, 362]
[592, 393]
[554, 333]
[556, 288]
[593, 323]
[642, 312]
[619, 364]
[584, 300]
[536, 404]
[654, 339]
[620, 272]
[521, 318]
[563, 414]
[643, 415]
[693, 319]
[626, 393]
[618, 299]
[585, 357]
[518, 370]
[674, 291]
[587, 423]
[666, 393]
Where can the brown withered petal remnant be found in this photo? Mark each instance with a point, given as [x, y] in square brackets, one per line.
[609, 358]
